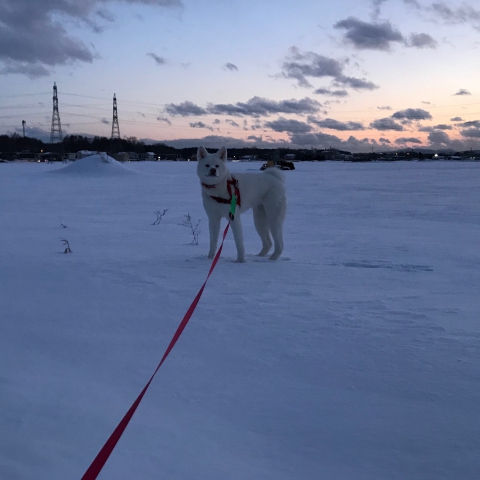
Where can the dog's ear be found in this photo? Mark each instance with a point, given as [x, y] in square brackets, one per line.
[201, 153]
[222, 154]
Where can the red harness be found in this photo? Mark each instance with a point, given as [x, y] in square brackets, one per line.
[232, 187]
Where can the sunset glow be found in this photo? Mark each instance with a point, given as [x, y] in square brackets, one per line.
[358, 76]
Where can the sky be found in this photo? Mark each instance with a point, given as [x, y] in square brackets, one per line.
[358, 75]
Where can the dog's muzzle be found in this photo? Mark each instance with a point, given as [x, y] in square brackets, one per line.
[213, 172]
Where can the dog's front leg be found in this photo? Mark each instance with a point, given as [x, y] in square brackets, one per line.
[214, 227]
[237, 230]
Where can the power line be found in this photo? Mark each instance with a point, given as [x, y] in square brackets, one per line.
[150, 104]
[57, 134]
[124, 101]
[24, 95]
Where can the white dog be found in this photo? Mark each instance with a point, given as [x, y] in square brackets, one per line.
[263, 192]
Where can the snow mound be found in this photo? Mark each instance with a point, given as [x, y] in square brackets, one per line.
[99, 164]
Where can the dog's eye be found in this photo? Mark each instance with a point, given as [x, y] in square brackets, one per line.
[216, 166]
[207, 165]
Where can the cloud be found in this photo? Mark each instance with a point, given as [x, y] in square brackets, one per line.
[258, 106]
[421, 40]
[462, 91]
[313, 140]
[185, 109]
[376, 7]
[257, 125]
[386, 107]
[231, 67]
[378, 3]
[332, 93]
[426, 129]
[471, 133]
[336, 125]
[300, 66]
[29, 70]
[323, 140]
[105, 15]
[232, 122]
[356, 83]
[471, 129]
[443, 126]
[35, 132]
[217, 141]
[32, 41]
[463, 14]
[255, 107]
[456, 119]
[158, 60]
[200, 125]
[164, 119]
[412, 2]
[404, 140]
[439, 139]
[369, 36]
[286, 125]
[472, 123]
[412, 114]
[384, 124]
[318, 140]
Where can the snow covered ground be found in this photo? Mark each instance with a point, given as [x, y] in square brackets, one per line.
[355, 356]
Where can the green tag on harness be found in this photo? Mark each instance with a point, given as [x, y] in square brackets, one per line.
[231, 215]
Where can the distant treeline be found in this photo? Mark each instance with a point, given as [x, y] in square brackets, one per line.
[16, 143]
[75, 143]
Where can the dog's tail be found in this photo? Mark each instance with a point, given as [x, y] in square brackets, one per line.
[277, 173]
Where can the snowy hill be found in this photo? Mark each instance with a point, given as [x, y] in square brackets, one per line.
[96, 165]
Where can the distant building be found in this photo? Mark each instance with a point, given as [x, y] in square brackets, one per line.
[84, 153]
[121, 156]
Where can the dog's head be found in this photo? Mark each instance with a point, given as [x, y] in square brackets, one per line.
[211, 167]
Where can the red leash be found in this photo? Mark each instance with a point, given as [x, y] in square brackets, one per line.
[107, 449]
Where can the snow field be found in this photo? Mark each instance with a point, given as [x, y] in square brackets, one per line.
[355, 356]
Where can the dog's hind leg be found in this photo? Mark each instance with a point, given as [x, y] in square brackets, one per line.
[277, 234]
[275, 217]
[261, 225]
